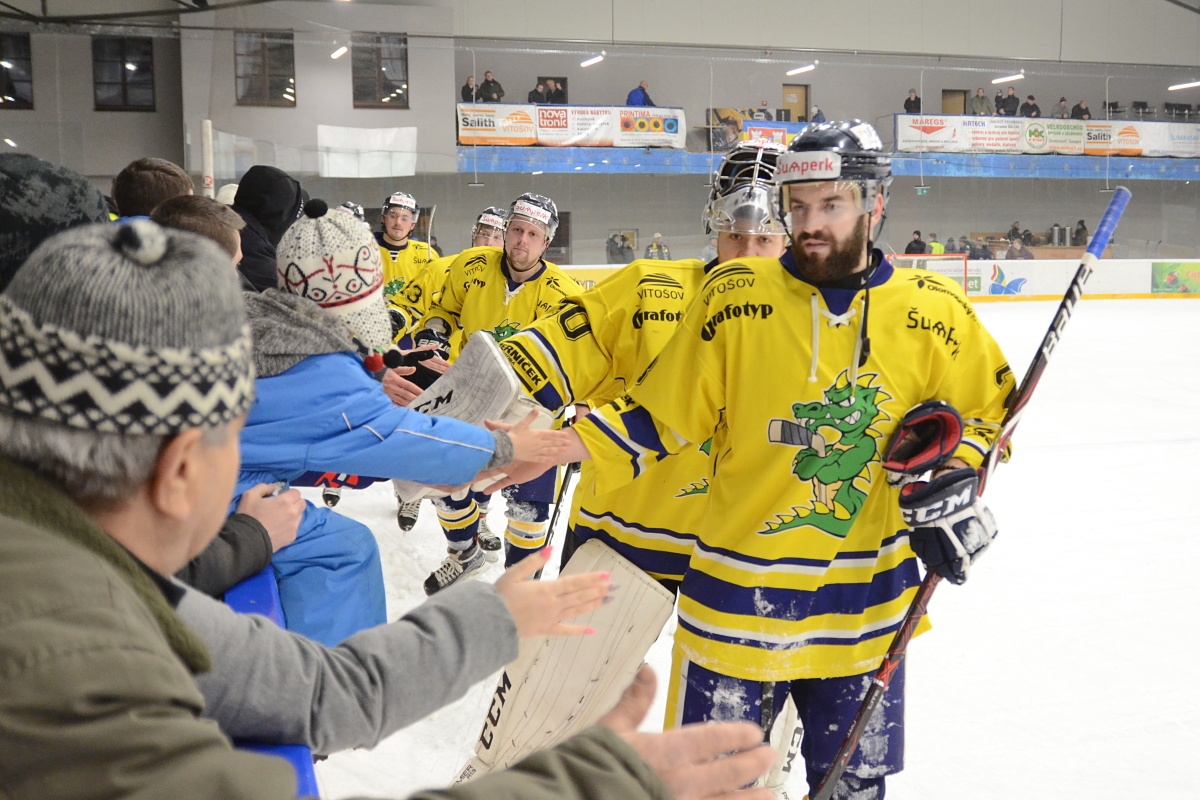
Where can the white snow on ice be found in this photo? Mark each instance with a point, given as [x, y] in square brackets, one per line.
[1066, 666]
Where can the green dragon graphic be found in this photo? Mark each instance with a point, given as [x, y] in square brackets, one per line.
[837, 441]
[393, 287]
[504, 330]
[700, 486]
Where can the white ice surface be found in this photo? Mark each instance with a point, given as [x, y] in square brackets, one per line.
[1066, 666]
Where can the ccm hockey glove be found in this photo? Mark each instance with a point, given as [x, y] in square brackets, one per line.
[950, 525]
[925, 439]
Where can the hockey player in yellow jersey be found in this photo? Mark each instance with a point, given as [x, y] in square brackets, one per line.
[500, 291]
[800, 369]
[418, 297]
[403, 257]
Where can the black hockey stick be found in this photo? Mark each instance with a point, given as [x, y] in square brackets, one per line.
[571, 469]
[1016, 407]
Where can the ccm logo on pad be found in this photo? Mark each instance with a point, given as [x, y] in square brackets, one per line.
[802, 166]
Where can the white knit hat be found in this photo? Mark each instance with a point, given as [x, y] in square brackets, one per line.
[332, 259]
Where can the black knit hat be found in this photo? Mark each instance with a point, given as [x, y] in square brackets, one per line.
[37, 200]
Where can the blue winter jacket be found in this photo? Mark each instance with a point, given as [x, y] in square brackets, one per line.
[327, 414]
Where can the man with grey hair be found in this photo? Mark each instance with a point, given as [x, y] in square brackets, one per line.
[125, 377]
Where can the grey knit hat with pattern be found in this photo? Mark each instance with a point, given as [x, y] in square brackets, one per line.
[128, 328]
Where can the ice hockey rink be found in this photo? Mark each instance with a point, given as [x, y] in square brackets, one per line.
[1065, 667]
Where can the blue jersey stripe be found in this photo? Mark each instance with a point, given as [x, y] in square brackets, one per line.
[749, 640]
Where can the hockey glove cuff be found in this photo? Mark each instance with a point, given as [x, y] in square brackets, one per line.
[926, 438]
[950, 525]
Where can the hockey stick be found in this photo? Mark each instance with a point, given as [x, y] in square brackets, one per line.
[571, 469]
[1016, 407]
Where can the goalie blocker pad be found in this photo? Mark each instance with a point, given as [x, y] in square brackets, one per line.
[480, 385]
[560, 685]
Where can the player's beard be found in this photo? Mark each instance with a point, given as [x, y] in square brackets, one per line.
[844, 257]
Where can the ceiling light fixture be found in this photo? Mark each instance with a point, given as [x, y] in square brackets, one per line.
[341, 51]
[587, 62]
[1020, 76]
[1179, 86]
[805, 68]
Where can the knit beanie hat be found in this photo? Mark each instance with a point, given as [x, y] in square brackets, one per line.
[128, 328]
[332, 259]
[37, 200]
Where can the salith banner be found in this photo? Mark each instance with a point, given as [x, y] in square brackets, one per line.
[570, 126]
[916, 133]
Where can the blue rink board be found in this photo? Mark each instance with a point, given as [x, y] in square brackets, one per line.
[664, 160]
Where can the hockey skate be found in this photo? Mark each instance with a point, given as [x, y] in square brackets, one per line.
[458, 565]
[489, 542]
[406, 514]
[331, 495]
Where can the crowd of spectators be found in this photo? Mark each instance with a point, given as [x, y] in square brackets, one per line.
[1007, 104]
[548, 90]
[1018, 241]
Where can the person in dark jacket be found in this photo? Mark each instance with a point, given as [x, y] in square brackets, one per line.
[555, 93]
[1017, 250]
[469, 91]
[1030, 108]
[1009, 104]
[1079, 236]
[612, 249]
[490, 91]
[639, 96]
[538, 94]
[1081, 111]
[269, 200]
[912, 103]
[916, 247]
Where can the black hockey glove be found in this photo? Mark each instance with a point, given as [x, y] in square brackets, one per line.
[424, 376]
[950, 525]
[428, 336]
[925, 439]
[398, 320]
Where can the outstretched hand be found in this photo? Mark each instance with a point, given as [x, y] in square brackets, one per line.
[539, 607]
[536, 452]
[697, 762]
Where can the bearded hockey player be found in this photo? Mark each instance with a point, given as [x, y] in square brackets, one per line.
[594, 350]
[802, 566]
[500, 291]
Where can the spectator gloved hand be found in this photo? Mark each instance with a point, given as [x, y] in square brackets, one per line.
[279, 513]
[950, 525]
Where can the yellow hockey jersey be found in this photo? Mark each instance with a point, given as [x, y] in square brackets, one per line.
[593, 350]
[400, 268]
[802, 567]
[421, 291]
[478, 295]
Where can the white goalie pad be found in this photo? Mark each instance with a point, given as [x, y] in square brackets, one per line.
[786, 733]
[480, 385]
[560, 685]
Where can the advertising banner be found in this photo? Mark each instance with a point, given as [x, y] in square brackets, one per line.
[650, 127]
[1175, 277]
[576, 126]
[480, 123]
[957, 134]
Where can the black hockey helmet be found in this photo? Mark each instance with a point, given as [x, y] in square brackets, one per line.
[741, 198]
[535, 208]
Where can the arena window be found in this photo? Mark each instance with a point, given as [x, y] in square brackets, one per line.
[265, 68]
[16, 71]
[123, 73]
[379, 63]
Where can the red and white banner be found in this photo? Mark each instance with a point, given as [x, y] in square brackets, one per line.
[571, 126]
[956, 134]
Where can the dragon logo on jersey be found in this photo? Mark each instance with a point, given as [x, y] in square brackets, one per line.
[700, 486]
[837, 440]
[393, 287]
[504, 330]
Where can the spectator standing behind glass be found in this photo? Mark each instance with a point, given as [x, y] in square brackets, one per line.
[1081, 111]
[538, 94]
[916, 247]
[1017, 250]
[626, 250]
[709, 251]
[490, 91]
[935, 247]
[639, 96]
[1009, 104]
[981, 105]
[912, 104]
[1030, 108]
[1062, 110]
[1079, 236]
[658, 249]
[612, 250]
[951, 247]
[999, 100]
[818, 115]
[470, 92]
[1014, 232]
[555, 93]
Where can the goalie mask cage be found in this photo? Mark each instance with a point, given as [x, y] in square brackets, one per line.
[952, 265]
